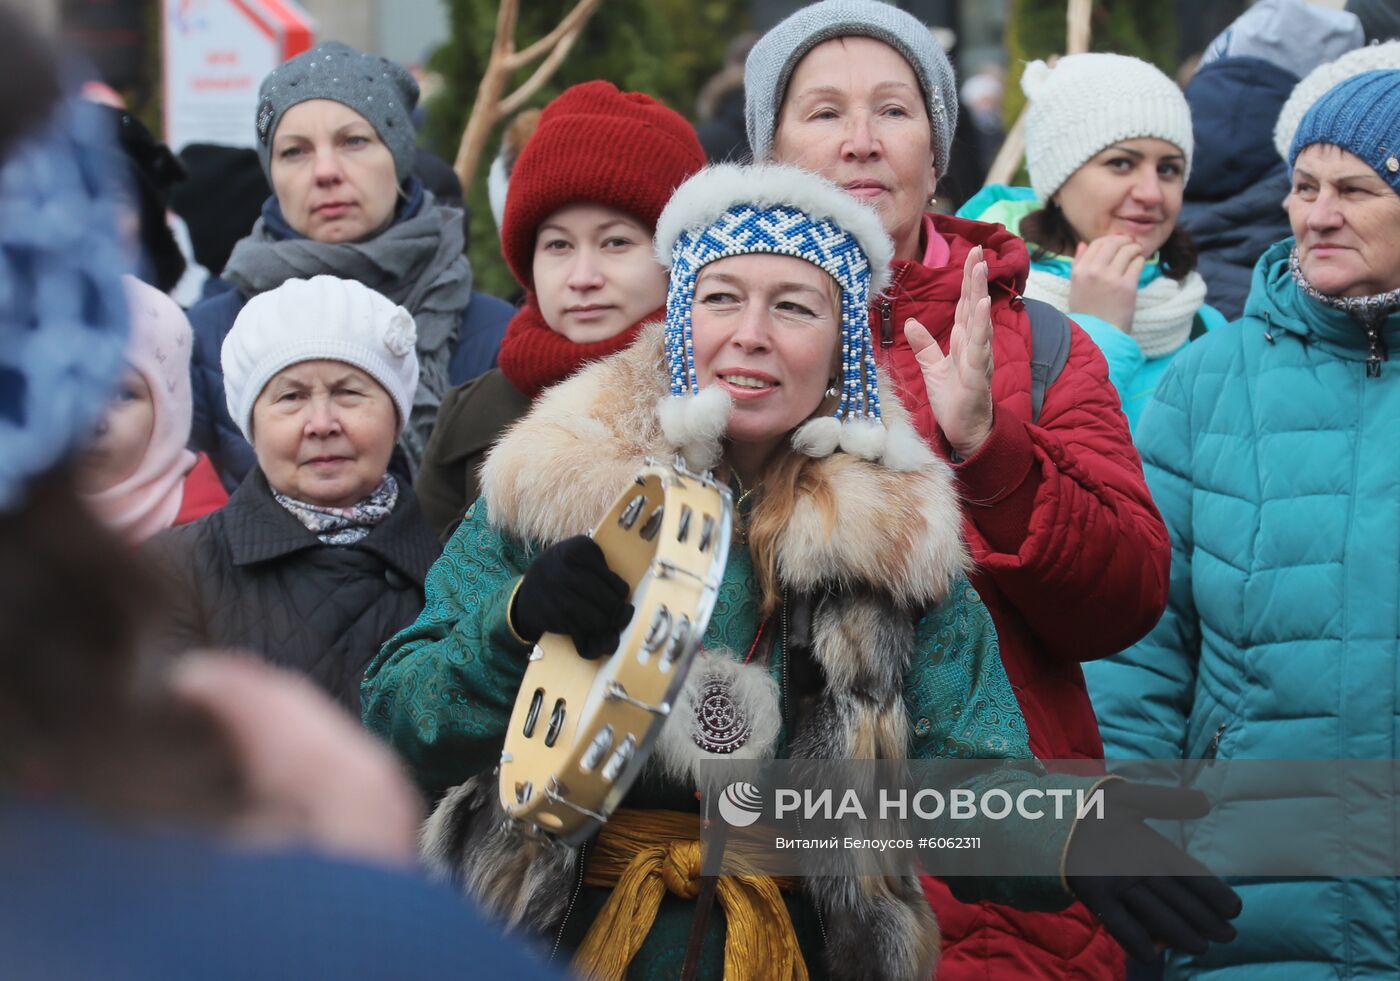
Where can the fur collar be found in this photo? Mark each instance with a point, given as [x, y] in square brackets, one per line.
[555, 472]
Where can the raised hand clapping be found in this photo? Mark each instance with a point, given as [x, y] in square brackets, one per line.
[960, 383]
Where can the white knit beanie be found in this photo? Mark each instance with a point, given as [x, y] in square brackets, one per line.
[323, 318]
[1320, 81]
[1091, 101]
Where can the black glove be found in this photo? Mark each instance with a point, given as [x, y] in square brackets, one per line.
[1183, 907]
[569, 589]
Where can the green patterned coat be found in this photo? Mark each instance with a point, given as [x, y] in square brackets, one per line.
[441, 692]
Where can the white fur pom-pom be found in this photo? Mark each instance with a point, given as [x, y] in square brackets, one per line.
[707, 415]
[695, 424]
[671, 412]
[905, 449]
[818, 437]
[1034, 77]
[864, 438]
[700, 457]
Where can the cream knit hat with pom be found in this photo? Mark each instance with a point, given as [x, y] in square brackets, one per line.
[1091, 101]
[1320, 81]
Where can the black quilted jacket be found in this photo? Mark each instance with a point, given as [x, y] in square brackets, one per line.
[250, 575]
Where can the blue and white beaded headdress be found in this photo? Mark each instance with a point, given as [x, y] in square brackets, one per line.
[731, 210]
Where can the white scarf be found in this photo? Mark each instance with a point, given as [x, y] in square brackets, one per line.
[1166, 309]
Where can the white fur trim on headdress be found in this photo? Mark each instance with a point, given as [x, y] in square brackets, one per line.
[892, 441]
[709, 194]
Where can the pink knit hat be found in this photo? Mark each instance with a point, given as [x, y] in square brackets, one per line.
[159, 349]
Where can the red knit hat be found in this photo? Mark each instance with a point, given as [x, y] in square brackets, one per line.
[596, 144]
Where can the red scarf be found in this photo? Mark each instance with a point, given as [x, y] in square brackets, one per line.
[533, 356]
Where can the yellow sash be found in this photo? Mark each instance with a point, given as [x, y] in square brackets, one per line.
[643, 853]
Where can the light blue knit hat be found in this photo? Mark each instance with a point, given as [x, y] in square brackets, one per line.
[730, 210]
[63, 314]
[1362, 116]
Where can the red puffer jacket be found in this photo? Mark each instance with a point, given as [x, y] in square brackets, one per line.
[1072, 561]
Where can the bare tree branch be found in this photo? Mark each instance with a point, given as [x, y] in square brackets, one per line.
[491, 104]
[1013, 148]
[571, 24]
[1077, 26]
[533, 84]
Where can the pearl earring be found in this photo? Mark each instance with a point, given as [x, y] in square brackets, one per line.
[833, 391]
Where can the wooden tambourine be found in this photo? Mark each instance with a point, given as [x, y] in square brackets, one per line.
[582, 729]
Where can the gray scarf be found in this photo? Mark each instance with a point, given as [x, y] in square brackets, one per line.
[417, 262]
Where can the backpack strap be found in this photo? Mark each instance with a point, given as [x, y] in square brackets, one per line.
[1050, 337]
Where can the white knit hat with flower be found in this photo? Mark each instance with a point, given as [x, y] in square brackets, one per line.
[1091, 101]
[323, 318]
[1322, 79]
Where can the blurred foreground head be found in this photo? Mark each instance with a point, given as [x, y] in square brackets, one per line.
[74, 723]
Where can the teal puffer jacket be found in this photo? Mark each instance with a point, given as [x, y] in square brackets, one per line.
[1275, 461]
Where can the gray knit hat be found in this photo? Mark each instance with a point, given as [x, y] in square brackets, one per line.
[775, 57]
[380, 90]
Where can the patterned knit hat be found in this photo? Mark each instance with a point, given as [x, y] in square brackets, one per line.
[1373, 57]
[777, 54]
[379, 89]
[63, 316]
[598, 145]
[1362, 116]
[730, 210]
[1091, 101]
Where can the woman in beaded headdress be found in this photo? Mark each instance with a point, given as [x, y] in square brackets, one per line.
[763, 373]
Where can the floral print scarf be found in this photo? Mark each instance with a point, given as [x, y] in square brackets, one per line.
[345, 526]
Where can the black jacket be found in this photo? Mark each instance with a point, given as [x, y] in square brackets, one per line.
[250, 575]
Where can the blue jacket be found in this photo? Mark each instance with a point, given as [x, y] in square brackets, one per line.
[1234, 200]
[214, 432]
[1134, 375]
[85, 900]
[1272, 457]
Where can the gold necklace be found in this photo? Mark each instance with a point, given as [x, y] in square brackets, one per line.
[741, 519]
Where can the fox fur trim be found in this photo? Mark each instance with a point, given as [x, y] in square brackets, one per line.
[558, 470]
